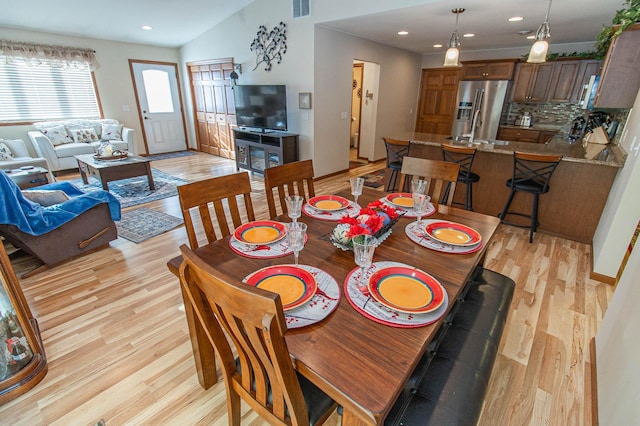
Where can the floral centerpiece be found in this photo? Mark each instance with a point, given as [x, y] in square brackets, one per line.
[375, 219]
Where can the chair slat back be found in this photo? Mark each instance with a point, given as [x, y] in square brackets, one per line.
[288, 179]
[436, 173]
[218, 191]
[396, 150]
[263, 376]
[460, 155]
[536, 168]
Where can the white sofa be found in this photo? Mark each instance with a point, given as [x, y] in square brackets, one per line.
[59, 141]
[20, 157]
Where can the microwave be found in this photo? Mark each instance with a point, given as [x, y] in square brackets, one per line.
[589, 93]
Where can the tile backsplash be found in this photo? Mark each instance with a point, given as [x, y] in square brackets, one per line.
[560, 114]
[556, 114]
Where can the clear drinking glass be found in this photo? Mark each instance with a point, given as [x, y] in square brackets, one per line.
[296, 232]
[363, 249]
[420, 205]
[418, 186]
[356, 187]
[294, 206]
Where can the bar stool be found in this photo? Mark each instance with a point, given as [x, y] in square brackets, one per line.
[531, 174]
[464, 157]
[396, 151]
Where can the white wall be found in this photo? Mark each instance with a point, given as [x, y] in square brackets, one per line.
[396, 95]
[318, 61]
[113, 78]
[617, 351]
[622, 211]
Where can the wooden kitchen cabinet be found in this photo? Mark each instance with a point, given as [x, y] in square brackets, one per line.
[563, 81]
[620, 79]
[488, 70]
[515, 134]
[532, 82]
[588, 67]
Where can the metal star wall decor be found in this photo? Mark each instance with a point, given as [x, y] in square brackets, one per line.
[270, 46]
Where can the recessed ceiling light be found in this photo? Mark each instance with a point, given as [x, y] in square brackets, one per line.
[147, 27]
[516, 19]
[468, 35]
[437, 45]
[403, 32]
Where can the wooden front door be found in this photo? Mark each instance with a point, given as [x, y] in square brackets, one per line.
[437, 104]
[214, 106]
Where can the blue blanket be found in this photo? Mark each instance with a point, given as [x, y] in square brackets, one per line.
[34, 219]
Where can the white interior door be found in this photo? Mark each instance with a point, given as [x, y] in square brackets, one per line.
[159, 106]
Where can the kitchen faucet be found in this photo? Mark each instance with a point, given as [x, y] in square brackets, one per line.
[473, 126]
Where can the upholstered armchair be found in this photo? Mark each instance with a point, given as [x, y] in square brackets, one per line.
[61, 222]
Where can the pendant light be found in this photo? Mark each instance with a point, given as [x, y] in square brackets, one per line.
[538, 53]
[452, 55]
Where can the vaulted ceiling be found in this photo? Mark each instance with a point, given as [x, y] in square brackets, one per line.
[176, 23]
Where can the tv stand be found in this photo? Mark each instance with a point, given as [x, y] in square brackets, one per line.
[257, 150]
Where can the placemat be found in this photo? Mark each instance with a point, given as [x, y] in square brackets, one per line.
[351, 210]
[418, 235]
[409, 212]
[322, 303]
[262, 251]
[370, 308]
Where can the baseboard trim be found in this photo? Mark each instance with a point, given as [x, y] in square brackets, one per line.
[594, 383]
[599, 277]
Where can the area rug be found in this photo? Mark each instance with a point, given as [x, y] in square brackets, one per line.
[134, 191]
[375, 179]
[141, 224]
[165, 156]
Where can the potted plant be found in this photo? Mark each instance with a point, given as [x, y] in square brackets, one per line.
[622, 19]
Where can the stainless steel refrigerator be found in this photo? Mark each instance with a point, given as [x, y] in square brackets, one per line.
[484, 96]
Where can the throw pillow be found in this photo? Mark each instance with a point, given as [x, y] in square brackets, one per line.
[5, 152]
[85, 135]
[111, 132]
[57, 135]
[45, 197]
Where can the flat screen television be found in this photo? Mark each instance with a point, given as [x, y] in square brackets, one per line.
[262, 107]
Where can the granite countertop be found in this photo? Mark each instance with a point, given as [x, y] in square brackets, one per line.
[612, 155]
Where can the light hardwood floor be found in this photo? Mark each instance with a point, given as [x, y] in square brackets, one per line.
[118, 347]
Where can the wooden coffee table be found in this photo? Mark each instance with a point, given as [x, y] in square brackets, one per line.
[110, 170]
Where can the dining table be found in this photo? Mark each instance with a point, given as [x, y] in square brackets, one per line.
[363, 364]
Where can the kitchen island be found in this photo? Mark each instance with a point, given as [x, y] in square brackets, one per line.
[578, 190]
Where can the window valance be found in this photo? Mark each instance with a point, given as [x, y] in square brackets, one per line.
[12, 52]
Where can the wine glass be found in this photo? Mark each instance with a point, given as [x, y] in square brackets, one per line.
[363, 249]
[294, 206]
[356, 187]
[296, 232]
[418, 186]
[420, 205]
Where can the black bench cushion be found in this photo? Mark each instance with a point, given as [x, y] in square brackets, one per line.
[449, 383]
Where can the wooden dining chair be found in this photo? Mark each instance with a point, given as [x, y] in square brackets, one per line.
[396, 151]
[288, 179]
[437, 174]
[216, 191]
[263, 375]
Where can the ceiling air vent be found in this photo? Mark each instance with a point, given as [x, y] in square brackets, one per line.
[300, 8]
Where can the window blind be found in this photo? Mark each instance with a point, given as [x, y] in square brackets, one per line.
[36, 93]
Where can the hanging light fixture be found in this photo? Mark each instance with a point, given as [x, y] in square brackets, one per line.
[452, 55]
[538, 53]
